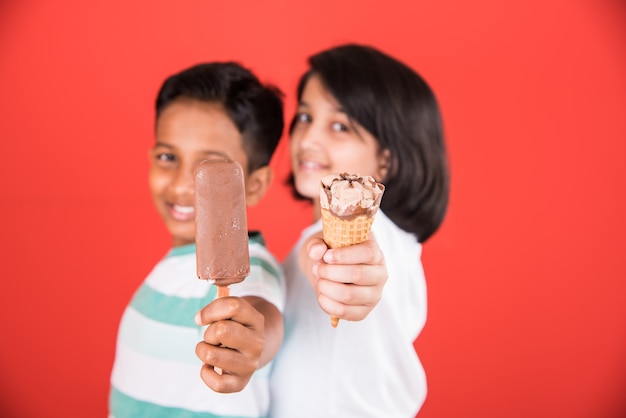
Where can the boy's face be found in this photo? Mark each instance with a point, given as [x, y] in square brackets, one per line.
[187, 132]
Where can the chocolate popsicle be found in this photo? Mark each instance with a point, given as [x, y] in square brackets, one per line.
[221, 224]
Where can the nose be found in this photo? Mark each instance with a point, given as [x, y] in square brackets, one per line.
[184, 180]
[307, 136]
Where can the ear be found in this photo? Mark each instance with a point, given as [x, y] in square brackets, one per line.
[384, 163]
[257, 183]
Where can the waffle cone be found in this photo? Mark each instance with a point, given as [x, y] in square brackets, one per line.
[356, 194]
[339, 232]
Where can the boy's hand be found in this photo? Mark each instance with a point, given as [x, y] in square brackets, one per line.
[233, 342]
[348, 281]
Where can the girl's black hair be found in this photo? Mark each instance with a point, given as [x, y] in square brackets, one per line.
[400, 110]
[256, 109]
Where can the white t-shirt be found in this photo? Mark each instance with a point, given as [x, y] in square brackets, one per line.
[366, 368]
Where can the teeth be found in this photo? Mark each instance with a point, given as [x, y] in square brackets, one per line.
[184, 209]
[310, 164]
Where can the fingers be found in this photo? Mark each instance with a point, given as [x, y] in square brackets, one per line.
[237, 309]
[350, 292]
[234, 324]
[360, 274]
[233, 334]
[233, 342]
[239, 361]
[223, 383]
[367, 252]
[349, 281]
[361, 264]
[316, 247]
[233, 348]
[350, 312]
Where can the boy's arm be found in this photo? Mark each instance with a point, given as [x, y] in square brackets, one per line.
[348, 281]
[243, 335]
[273, 328]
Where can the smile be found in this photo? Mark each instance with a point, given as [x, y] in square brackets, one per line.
[182, 213]
[307, 165]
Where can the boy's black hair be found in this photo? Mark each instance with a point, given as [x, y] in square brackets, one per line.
[255, 109]
[399, 109]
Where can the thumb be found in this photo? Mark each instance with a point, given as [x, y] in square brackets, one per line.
[316, 248]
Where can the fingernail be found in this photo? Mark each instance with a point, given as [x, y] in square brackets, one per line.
[328, 256]
[197, 319]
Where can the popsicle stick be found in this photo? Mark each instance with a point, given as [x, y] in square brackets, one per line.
[223, 291]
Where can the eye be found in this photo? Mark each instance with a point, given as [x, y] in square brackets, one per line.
[165, 157]
[339, 127]
[303, 118]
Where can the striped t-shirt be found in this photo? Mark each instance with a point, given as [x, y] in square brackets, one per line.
[156, 372]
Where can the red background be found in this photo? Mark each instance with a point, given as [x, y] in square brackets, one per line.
[527, 278]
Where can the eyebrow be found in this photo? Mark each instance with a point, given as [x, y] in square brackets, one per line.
[162, 144]
[218, 153]
[205, 152]
[336, 110]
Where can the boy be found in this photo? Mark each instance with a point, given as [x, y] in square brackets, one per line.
[215, 110]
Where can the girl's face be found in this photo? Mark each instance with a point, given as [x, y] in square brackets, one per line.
[187, 132]
[325, 141]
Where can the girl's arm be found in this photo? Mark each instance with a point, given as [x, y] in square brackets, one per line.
[349, 281]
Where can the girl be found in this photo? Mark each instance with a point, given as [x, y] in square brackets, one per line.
[362, 112]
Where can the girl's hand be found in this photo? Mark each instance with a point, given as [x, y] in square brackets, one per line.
[348, 281]
[233, 342]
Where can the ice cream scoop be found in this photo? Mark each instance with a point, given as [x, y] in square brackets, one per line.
[349, 195]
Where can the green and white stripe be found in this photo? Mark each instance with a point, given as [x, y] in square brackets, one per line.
[156, 372]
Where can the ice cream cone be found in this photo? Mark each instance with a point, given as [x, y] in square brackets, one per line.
[340, 232]
[348, 206]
